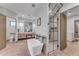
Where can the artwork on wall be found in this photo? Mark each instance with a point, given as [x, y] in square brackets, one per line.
[39, 21]
[28, 27]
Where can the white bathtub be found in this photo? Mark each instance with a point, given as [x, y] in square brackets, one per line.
[34, 46]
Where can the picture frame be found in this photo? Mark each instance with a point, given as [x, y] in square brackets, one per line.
[39, 21]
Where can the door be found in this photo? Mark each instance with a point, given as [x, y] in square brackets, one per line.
[62, 31]
[76, 28]
[2, 31]
[53, 34]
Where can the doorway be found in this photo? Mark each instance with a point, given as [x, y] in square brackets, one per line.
[63, 31]
[70, 36]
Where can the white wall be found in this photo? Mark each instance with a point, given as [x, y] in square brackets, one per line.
[70, 28]
[9, 29]
[43, 13]
[43, 30]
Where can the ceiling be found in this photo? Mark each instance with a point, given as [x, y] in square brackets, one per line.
[72, 12]
[26, 9]
[22, 8]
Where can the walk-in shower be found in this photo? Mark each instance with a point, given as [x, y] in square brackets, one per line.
[53, 27]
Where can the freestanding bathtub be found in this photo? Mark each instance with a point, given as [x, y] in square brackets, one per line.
[34, 46]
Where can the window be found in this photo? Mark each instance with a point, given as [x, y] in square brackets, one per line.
[12, 23]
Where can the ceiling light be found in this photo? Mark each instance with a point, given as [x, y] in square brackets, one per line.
[33, 5]
[21, 24]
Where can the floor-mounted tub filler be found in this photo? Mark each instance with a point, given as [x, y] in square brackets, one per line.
[34, 46]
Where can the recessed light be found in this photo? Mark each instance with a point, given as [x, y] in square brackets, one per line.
[69, 13]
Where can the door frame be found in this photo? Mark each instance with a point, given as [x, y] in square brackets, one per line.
[63, 43]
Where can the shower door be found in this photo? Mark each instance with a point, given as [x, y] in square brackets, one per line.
[53, 35]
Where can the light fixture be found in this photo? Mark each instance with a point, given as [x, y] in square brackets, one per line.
[33, 5]
[21, 24]
[69, 13]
